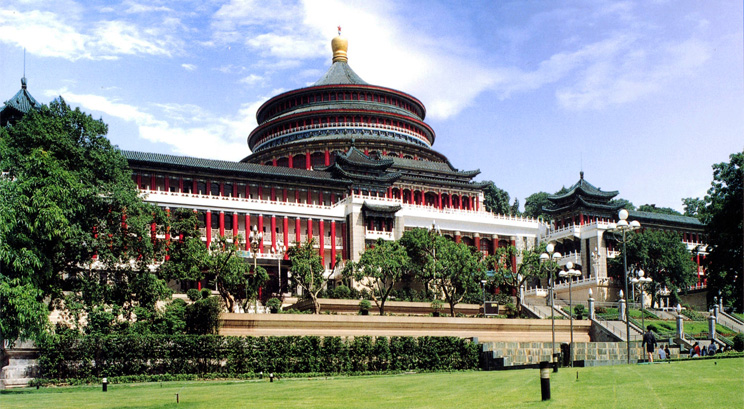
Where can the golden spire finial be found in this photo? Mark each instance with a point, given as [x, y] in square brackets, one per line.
[340, 46]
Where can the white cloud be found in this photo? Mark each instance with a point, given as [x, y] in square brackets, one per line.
[252, 79]
[188, 129]
[61, 34]
[188, 67]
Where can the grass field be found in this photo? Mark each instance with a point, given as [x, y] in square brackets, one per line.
[687, 384]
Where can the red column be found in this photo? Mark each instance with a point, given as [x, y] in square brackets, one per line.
[581, 219]
[247, 191]
[344, 250]
[321, 238]
[320, 197]
[494, 243]
[260, 229]
[297, 196]
[167, 236]
[153, 182]
[477, 203]
[195, 187]
[309, 229]
[389, 194]
[260, 192]
[222, 224]
[514, 257]
[333, 198]
[273, 161]
[309, 196]
[180, 184]
[284, 195]
[167, 183]
[477, 241]
[235, 225]
[290, 161]
[458, 237]
[327, 159]
[208, 188]
[139, 181]
[247, 231]
[298, 229]
[308, 161]
[208, 229]
[439, 198]
[333, 243]
[449, 197]
[273, 232]
[286, 232]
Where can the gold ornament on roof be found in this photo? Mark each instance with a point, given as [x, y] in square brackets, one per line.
[340, 46]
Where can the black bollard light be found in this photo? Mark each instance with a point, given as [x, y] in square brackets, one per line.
[271, 377]
[104, 383]
[545, 379]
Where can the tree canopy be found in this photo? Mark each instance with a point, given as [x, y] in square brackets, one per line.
[381, 267]
[189, 259]
[72, 221]
[453, 269]
[724, 214]
[307, 270]
[534, 205]
[662, 210]
[496, 200]
[662, 255]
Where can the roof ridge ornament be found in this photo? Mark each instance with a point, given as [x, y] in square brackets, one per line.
[340, 46]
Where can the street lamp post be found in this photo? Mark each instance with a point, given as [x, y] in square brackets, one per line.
[624, 227]
[255, 238]
[570, 274]
[544, 258]
[483, 287]
[641, 281]
[279, 251]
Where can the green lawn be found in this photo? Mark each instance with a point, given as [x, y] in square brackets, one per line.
[688, 384]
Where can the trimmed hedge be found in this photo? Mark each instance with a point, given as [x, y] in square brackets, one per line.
[64, 357]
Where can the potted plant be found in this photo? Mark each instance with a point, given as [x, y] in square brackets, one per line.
[436, 306]
[274, 305]
[364, 307]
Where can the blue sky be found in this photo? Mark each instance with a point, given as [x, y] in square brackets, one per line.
[644, 96]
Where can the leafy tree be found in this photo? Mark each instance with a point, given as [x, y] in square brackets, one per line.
[382, 267]
[725, 232]
[189, 259]
[662, 256]
[514, 210]
[307, 270]
[528, 269]
[662, 210]
[534, 205]
[72, 220]
[458, 271]
[694, 207]
[452, 268]
[622, 203]
[495, 200]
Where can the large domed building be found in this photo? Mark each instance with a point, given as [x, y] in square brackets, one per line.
[341, 161]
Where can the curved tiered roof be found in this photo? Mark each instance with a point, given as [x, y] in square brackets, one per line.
[18, 105]
[337, 108]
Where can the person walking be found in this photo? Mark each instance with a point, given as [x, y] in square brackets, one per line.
[649, 341]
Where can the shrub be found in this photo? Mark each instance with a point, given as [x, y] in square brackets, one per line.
[75, 359]
[739, 342]
[193, 294]
[364, 307]
[202, 317]
[342, 291]
[274, 304]
[206, 293]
